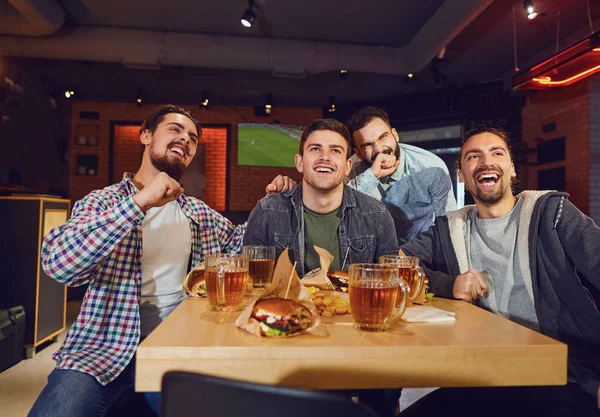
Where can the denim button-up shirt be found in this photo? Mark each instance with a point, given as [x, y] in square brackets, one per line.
[416, 193]
[366, 228]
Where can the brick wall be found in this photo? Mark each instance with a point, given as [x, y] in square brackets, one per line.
[242, 185]
[569, 109]
[127, 150]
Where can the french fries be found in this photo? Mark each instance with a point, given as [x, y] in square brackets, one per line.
[328, 305]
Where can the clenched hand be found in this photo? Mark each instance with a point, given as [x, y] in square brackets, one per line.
[280, 183]
[384, 165]
[470, 286]
[162, 190]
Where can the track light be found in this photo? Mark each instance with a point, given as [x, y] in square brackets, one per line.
[269, 104]
[140, 97]
[205, 98]
[69, 93]
[343, 74]
[249, 16]
[331, 105]
[528, 6]
[410, 77]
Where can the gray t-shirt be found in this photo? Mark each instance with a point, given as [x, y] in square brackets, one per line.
[492, 248]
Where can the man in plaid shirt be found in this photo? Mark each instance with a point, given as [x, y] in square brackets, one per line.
[132, 242]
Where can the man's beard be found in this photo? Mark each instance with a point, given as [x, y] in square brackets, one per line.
[172, 168]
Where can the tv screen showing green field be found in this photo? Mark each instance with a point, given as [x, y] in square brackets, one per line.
[271, 145]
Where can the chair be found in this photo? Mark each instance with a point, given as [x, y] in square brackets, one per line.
[190, 395]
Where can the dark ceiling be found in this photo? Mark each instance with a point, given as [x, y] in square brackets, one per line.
[480, 46]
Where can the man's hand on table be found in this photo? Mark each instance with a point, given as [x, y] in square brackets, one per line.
[162, 190]
[470, 286]
[280, 183]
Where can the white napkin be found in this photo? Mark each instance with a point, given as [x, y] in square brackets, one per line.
[422, 314]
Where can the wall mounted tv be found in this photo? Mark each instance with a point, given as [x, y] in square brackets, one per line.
[266, 144]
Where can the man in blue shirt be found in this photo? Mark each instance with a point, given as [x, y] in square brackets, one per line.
[413, 183]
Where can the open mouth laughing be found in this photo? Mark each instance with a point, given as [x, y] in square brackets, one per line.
[178, 150]
[487, 179]
[324, 169]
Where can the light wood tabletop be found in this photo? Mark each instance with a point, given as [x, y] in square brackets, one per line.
[478, 349]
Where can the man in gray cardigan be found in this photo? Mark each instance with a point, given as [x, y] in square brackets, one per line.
[532, 258]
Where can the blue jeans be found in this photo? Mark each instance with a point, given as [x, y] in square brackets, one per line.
[76, 394]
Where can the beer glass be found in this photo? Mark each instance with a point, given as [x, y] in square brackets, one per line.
[226, 276]
[374, 290]
[408, 270]
[261, 264]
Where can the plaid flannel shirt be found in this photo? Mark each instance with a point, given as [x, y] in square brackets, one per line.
[101, 245]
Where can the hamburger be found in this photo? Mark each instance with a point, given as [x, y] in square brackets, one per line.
[195, 283]
[339, 279]
[281, 317]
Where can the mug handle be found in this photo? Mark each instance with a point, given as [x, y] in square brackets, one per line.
[403, 286]
[420, 281]
[221, 285]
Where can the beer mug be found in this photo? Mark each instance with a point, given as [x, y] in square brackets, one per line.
[408, 270]
[226, 276]
[375, 291]
[261, 264]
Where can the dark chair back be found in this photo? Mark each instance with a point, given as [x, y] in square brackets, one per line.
[194, 395]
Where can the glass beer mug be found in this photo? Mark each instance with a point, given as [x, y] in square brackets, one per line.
[408, 270]
[375, 291]
[226, 276]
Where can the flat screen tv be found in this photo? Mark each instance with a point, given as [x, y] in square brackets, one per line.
[266, 144]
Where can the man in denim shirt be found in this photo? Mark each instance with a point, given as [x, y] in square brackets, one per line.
[325, 212]
[322, 207]
[413, 183]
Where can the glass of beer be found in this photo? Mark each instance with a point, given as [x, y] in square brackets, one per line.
[226, 276]
[409, 270]
[374, 290]
[262, 263]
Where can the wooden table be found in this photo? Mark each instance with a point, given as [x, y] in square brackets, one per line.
[478, 349]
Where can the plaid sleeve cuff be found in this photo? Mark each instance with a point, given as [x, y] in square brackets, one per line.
[128, 213]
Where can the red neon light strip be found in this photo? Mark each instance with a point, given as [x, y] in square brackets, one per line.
[548, 80]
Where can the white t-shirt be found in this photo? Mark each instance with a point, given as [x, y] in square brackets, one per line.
[166, 252]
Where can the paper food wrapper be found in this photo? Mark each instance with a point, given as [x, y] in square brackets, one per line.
[422, 314]
[194, 283]
[278, 288]
[318, 277]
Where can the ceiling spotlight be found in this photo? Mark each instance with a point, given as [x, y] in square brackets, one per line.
[205, 98]
[140, 97]
[269, 104]
[528, 6]
[249, 16]
[343, 74]
[410, 77]
[331, 106]
[69, 93]
[532, 16]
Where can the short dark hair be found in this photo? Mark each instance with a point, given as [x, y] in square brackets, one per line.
[497, 131]
[327, 124]
[364, 116]
[158, 115]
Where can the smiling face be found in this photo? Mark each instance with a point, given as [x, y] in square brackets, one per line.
[374, 138]
[324, 162]
[486, 168]
[173, 144]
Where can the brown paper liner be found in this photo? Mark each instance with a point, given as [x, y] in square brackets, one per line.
[420, 299]
[189, 280]
[318, 277]
[278, 289]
